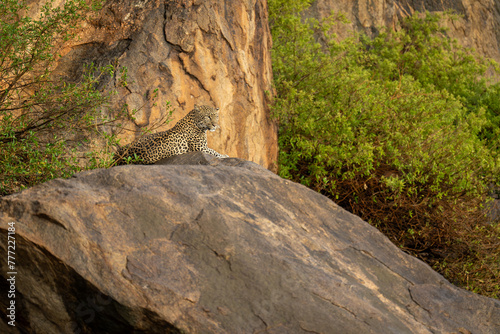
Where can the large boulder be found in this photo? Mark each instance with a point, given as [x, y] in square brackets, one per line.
[222, 246]
[185, 52]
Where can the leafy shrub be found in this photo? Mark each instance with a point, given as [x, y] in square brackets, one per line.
[49, 126]
[422, 50]
[40, 116]
[399, 148]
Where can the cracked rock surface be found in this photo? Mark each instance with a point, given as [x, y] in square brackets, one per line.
[185, 52]
[218, 246]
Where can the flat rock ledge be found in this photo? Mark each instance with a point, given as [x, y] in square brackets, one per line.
[207, 245]
[202, 159]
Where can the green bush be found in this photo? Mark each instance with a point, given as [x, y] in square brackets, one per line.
[422, 50]
[43, 120]
[399, 148]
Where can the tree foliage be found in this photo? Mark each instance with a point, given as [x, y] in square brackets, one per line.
[43, 118]
[421, 49]
[391, 128]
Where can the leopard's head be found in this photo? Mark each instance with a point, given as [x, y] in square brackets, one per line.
[206, 117]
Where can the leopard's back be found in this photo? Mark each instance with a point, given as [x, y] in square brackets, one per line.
[188, 135]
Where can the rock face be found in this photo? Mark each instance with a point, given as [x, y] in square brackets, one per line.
[227, 247]
[479, 28]
[187, 52]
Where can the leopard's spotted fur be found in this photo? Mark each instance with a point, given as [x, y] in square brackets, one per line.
[188, 135]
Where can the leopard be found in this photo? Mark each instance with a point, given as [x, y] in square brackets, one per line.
[187, 135]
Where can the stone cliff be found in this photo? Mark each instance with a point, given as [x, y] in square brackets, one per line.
[479, 28]
[203, 52]
[227, 247]
[217, 52]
